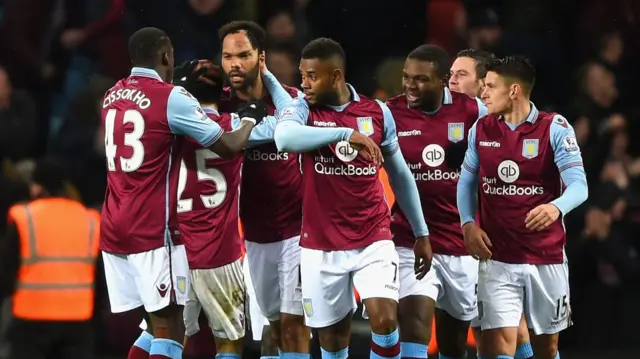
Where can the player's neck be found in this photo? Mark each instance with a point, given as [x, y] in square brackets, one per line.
[254, 92]
[435, 104]
[344, 96]
[519, 113]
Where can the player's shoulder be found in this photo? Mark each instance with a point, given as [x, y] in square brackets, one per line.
[487, 120]
[399, 101]
[292, 91]
[462, 99]
[554, 119]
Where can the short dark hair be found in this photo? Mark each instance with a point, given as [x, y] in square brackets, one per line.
[323, 48]
[482, 59]
[255, 33]
[435, 54]
[515, 67]
[145, 45]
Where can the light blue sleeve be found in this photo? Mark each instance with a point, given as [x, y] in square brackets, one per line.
[186, 117]
[406, 191]
[566, 154]
[471, 159]
[482, 108]
[467, 196]
[261, 133]
[293, 135]
[389, 144]
[467, 190]
[279, 95]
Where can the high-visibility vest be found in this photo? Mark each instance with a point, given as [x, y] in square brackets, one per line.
[59, 241]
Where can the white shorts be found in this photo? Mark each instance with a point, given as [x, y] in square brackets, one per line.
[328, 278]
[275, 270]
[451, 282]
[254, 315]
[220, 292]
[152, 279]
[542, 291]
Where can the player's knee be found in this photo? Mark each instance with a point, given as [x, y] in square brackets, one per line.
[292, 326]
[168, 323]
[384, 323]
[229, 346]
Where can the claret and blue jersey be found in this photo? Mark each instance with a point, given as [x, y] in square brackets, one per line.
[517, 168]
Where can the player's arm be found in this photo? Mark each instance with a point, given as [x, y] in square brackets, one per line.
[186, 117]
[293, 135]
[261, 133]
[279, 95]
[400, 176]
[567, 157]
[467, 197]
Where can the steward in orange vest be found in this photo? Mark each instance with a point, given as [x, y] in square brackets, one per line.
[54, 243]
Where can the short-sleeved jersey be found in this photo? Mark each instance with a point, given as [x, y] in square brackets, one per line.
[424, 139]
[271, 190]
[343, 203]
[208, 191]
[144, 119]
[519, 169]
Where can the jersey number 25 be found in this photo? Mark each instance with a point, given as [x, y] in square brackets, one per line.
[204, 173]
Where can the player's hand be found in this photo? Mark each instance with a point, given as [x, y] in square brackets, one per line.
[424, 256]
[476, 241]
[201, 78]
[263, 66]
[541, 217]
[365, 145]
[255, 109]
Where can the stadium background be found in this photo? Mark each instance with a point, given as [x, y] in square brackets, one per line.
[58, 57]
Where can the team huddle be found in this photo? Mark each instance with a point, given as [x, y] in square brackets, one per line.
[475, 237]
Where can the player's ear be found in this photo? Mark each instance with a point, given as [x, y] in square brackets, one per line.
[262, 57]
[336, 76]
[165, 59]
[514, 89]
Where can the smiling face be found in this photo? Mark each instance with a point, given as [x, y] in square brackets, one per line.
[420, 82]
[240, 61]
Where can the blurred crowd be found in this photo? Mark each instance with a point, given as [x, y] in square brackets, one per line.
[58, 57]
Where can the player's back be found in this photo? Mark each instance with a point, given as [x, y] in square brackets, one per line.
[271, 200]
[344, 205]
[517, 173]
[139, 206]
[424, 138]
[208, 190]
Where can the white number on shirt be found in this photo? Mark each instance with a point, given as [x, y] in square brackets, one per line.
[131, 139]
[204, 174]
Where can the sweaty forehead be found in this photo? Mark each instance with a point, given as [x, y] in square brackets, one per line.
[236, 43]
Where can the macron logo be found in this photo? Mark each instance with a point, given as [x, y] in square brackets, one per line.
[409, 133]
[324, 124]
[490, 144]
